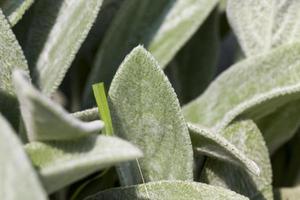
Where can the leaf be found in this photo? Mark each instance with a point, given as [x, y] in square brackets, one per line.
[287, 193]
[182, 21]
[87, 115]
[252, 88]
[214, 145]
[246, 137]
[53, 43]
[11, 58]
[18, 179]
[146, 112]
[162, 26]
[15, 9]
[168, 190]
[275, 24]
[61, 163]
[45, 120]
[280, 126]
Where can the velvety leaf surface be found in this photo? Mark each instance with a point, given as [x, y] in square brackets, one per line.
[262, 25]
[45, 120]
[146, 112]
[168, 190]
[254, 88]
[214, 145]
[246, 136]
[179, 25]
[15, 9]
[87, 115]
[287, 193]
[55, 49]
[18, 179]
[61, 163]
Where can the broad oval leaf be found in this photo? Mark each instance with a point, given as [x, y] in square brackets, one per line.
[146, 112]
[245, 136]
[216, 146]
[168, 190]
[275, 24]
[63, 162]
[18, 179]
[253, 88]
[15, 9]
[53, 50]
[45, 120]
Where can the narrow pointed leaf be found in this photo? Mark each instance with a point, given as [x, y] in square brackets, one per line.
[245, 136]
[214, 145]
[55, 44]
[276, 23]
[146, 112]
[15, 9]
[45, 120]
[168, 190]
[62, 163]
[18, 179]
[253, 88]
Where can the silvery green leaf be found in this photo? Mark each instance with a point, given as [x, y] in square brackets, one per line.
[57, 33]
[44, 120]
[162, 26]
[168, 190]
[291, 193]
[15, 9]
[18, 179]
[181, 22]
[11, 58]
[262, 25]
[214, 145]
[145, 111]
[254, 88]
[87, 115]
[281, 125]
[248, 139]
[61, 163]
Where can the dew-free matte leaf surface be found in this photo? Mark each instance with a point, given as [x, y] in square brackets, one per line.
[61, 163]
[18, 179]
[246, 137]
[73, 21]
[168, 190]
[15, 9]
[292, 193]
[146, 112]
[262, 25]
[182, 21]
[214, 145]
[87, 115]
[45, 120]
[254, 88]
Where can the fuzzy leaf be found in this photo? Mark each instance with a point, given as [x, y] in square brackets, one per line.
[87, 115]
[246, 137]
[45, 120]
[18, 179]
[146, 112]
[274, 81]
[276, 23]
[61, 163]
[281, 125]
[15, 9]
[180, 24]
[56, 36]
[287, 193]
[214, 145]
[168, 190]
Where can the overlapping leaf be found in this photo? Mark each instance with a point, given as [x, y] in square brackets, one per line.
[145, 111]
[18, 179]
[15, 9]
[246, 136]
[168, 190]
[57, 33]
[262, 25]
[254, 88]
[44, 120]
[214, 145]
[63, 162]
